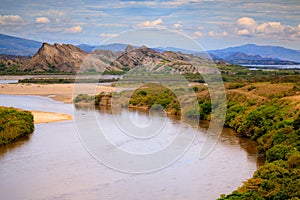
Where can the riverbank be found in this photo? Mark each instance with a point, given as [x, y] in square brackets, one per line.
[58, 92]
[263, 111]
[54, 156]
[266, 112]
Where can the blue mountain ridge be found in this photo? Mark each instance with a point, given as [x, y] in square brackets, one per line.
[18, 46]
[11, 45]
[263, 51]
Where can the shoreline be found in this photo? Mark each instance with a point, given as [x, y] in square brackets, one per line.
[59, 92]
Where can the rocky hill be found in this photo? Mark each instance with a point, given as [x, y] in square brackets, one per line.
[54, 58]
[150, 60]
[71, 59]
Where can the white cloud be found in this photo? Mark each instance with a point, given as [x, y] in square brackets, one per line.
[270, 27]
[174, 3]
[180, 2]
[142, 3]
[108, 35]
[10, 19]
[177, 26]
[296, 33]
[42, 20]
[243, 32]
[74, 29]
[198, 34]
[151, 23]
[246, 22]
[214, 34]
[200, 28]
[246, 26]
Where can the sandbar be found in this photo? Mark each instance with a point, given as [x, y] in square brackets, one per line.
[58, 92]
[47, 117]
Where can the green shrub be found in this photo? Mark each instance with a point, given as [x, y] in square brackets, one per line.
[279, 152]
[155, 94]
[236, 85]
[252, 87]
[14, 124]
[296, 123]
[192, 113]
[142, 93]
[83, 98]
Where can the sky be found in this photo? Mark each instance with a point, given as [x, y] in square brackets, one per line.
[211, 24]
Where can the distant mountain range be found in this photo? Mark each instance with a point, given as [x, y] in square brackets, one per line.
[18, 46]
[69, 58]
[273, 52]
[246, 54]
[239, 58]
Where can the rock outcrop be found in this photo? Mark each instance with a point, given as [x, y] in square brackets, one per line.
[56, 58]
[69, 58]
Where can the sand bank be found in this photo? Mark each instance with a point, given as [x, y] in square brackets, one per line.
[59, 92]
[47, 117]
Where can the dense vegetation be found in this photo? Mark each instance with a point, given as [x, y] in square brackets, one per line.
[12, 67]
[268, 113]
[14, 124]
[274, 122]
[236, 73]
[155, 96]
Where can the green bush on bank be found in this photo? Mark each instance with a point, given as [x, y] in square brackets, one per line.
[153, 95]
[14, 124]
[200, 111]
[277, 132]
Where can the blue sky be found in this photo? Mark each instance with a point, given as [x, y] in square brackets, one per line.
[212, 24]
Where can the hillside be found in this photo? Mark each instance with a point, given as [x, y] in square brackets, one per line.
[51, 58]
[172, 62]
[239, 58]
[71, 59]
[18, 46]
[118, 58]
[250, 53]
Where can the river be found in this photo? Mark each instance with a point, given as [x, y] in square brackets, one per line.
[53, 164]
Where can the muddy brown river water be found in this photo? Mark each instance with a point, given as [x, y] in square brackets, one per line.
[53, 164]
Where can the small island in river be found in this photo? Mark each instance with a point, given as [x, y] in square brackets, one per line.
[14, 124]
